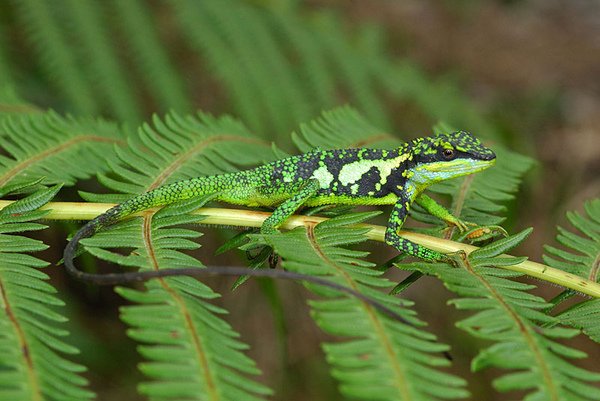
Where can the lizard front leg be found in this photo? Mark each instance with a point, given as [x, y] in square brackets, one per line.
[397, 218]
[437, 210]
[469, 230]
[288, 207]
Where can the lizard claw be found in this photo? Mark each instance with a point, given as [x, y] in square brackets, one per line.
[461, 225]
[483, 233]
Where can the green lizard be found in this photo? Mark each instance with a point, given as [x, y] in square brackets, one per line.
[344, 176]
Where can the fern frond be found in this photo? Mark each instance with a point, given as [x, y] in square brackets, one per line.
[178, 148]
[6, 74]
[192, 353]
[439, 99]
[276, 73]
[89, 28]
[513, 318]
[583, 255]
[61, 149]
[584, 316]
[237, 43]
[198, 30]
[582, 258]
[11, 103]
[161, 78]
[355, 75]
[381, 358]
[343, 127]
[32, 366]
[46, 35]
[303, 45]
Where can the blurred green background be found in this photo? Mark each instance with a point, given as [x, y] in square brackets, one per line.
[522, 73]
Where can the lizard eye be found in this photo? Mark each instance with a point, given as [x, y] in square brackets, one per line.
[448, 154]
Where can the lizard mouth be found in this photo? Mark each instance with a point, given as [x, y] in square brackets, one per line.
[431, 173]
[458, 167]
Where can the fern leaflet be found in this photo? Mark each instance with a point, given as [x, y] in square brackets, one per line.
[192, 353]
[32, 366]
[98, 55]
[61, 149]
[403, 362]
[47, 35]
[162, 80]
[582, 259]
[513, 318]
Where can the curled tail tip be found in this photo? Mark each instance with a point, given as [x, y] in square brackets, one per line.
[71, 250]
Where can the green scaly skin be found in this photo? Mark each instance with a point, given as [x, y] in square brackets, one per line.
[344, 176]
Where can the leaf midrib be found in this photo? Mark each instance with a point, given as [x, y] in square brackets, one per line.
[375, 321]
[205, 370]
[522, 327]
[20, 166]
[34, 384]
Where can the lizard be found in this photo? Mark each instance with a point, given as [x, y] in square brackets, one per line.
[359, 176]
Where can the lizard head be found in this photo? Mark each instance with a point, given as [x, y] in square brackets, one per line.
[446, 156]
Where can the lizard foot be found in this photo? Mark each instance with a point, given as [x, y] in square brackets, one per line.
[461, 225]
[483, 233]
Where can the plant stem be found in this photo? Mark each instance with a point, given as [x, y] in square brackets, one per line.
[251, 218]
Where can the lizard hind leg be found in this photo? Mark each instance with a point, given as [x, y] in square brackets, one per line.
[299, 196]
[397, 218]
[289, 206]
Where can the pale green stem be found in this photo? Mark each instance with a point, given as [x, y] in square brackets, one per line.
[251, 218]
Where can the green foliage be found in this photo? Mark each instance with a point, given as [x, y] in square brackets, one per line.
[54, 147]
[50, 42]
[582, 258]
[510, 316]
[160, 76]
[276, 66]
[191, 352]
[381, 359]
[180, 147]
[32, 341]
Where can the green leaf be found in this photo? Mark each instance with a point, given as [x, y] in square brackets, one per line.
[500, 246]
[580, 256]
[512, 318]
[190, 352]
[58, 149]
[32, 365]
[585, 316]
[342, 128]
[32, 202]
[379, 358]
[181, 147]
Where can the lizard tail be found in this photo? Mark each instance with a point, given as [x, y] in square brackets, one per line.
[161, 196]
